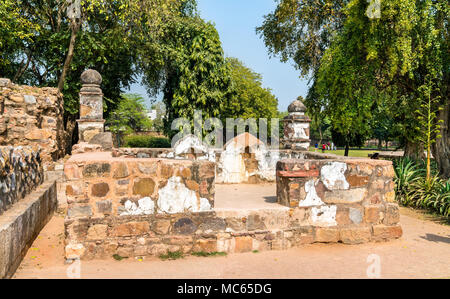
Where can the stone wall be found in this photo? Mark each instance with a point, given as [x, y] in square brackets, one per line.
[21, 172]
[353, 200]
[105, 191]
[32, 116]
[20, 225]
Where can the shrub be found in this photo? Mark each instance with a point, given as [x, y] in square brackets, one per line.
[413, 189]
[136, 141]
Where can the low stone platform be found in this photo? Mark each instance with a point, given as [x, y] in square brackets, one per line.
[20, 225]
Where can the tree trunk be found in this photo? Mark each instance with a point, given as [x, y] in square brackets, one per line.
[380, 143]
[441, 149]
[414, 150]
[75, 27]
[70, 138]
[347, 149]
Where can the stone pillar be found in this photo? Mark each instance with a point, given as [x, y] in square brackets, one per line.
[91, 123]
[297, 127]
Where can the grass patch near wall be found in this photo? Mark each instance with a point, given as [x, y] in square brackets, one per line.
[351, 153]
[138, 141]
[208, 254]
[172, 255]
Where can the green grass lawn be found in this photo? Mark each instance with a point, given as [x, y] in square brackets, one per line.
[352, 153]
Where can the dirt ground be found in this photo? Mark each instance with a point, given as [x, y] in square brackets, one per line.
[423, 252]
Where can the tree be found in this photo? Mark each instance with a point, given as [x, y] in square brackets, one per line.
[42, 46]
[194, 74]
[356, 60]
[250, 99]
[129, 116]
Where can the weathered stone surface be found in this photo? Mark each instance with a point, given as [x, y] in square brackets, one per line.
[357, 180]
[96, 170]
[184, 226]
[326, 235]
[104, 207]
[79, 211]
[356, 215]
[161, 226]
[243, 244]
[392, 215]
[383, 232]
[144, 187]
[131, 229]
[100, 189]
[91, 77]
[255, 222]
[97, 232]
[355, 235]
[33, 117]
[345, 196]
[104, 139]
[208, 245]
[213, 224]
[372, 214]
[121, 171]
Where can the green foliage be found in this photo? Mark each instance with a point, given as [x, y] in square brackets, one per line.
[208, 254]
[194, 74]
[250, 98]
[35, 38]
[172, 255]
[137, 141]
[412, 188]
[129, 116]
[358, 64]
[118, 257]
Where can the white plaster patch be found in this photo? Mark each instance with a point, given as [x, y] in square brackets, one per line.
[145, 206]
[300, 130]
[324, 216]
[188, 143]
[175, 198]
[232, 165]
[312, 199]
[332, 175]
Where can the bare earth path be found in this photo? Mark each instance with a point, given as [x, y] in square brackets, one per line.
[423, 252]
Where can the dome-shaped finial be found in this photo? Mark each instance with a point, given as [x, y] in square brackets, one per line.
[91, 77]
[297, 106]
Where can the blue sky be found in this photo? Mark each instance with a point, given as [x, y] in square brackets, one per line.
[236, 21]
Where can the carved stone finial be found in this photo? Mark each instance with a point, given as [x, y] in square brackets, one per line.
[91, 77]
[297, 106]
[296, 127]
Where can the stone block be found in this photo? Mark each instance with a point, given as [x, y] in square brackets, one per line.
[243, 244]
[392, 215]
[205, 245]
[372, 214]
[355, 235]
[79, 211]
[131, 229]
[326, 235]
[97, 232]
[383, 232]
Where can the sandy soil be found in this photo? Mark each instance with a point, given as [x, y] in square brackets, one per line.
[423, 252]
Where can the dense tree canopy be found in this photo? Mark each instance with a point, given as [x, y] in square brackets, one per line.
[250, 98]
[359, 63]
[41, 45]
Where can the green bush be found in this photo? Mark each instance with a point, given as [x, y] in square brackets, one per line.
[137, 141]
[413, 189]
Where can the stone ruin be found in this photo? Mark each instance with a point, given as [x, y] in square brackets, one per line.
[31, 116]
[140, 202]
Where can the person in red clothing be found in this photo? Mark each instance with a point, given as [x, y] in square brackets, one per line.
[323, 148]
